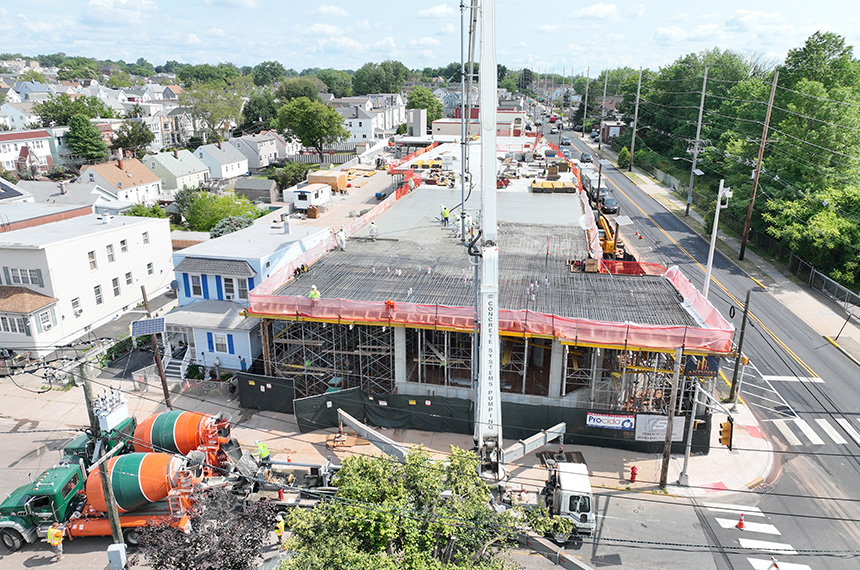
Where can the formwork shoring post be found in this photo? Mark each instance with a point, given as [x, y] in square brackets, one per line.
[266, 341]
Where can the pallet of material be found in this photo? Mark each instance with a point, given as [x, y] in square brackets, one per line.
[360, 184]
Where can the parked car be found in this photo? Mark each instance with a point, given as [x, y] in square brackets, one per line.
[553, 131]
[538, 122]
[565, 141]
[608, 205]
[566, 153]
[585, 157]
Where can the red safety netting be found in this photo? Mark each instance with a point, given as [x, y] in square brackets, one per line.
[409, 157]
[631, 268]
[695, 300]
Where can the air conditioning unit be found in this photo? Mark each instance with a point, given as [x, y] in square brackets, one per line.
[47, 326]
[78, 312]
[228, 297]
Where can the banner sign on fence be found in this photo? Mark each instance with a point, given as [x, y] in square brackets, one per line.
[702, 366]
[624, 422]
[653, 428]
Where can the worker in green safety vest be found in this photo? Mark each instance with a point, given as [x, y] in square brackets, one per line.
[314, 294]
[263, 451]
[279, 531]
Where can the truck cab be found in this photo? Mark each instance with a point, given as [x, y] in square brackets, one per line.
[569, 495]
[29, 510]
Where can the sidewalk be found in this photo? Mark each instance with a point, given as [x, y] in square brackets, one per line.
[821, 313]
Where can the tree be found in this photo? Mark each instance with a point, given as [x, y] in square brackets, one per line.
[260, 112]
[388, 515]
[78, 68]
[33, 75]
[314, 123]
[119, 80]
[385, 77]
[141, 68]
[824, 58]
[206, 73]
[58, 110]
[267, 73]
[623, 160]
[422, 98]
[142, 211]
[222, 536]
[183, 198]
[206, 210]
[85, 140]
[214, 104]
[132, 135]
[290, 89]
[509, 83]
[339, 83]
[229, 225]
[291, 174]
[10, 176]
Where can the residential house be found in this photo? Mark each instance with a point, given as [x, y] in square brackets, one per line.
[260, 150]
[128, 178]
[62, 193]
[326, 98]
[19, 214]
[136, 95]
[177, 126]
[172, 93]
[223, 160]
[257, 190]
[155, 91]
[9, 95]
[20, 115]
[387, 110]
[26, 152]
[61, 279]
[391, 108]
[26, 88]
[177, 169]
[361, 123]
[284, 146]
[215, 278]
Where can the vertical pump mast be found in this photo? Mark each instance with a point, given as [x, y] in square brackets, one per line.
[488, 412]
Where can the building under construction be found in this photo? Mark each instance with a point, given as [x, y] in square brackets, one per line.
[396, 315]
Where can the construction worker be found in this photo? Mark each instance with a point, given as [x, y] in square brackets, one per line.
[314, 294]
[291, 479]
[55, 539]
[279, 531]
[263, 451]
[341, 238]
[373, 230]
[444, 215]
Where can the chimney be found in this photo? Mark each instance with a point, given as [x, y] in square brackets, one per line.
[119, 159]
[356, 112]
[62, 187]
[176, 154]
[286, 226]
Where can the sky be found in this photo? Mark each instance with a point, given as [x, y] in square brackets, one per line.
[561, 36]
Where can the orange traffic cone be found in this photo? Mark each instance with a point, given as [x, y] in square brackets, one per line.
[290, 460]
[741, 525]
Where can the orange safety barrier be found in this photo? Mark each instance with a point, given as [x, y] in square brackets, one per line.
[617, 267]
[415, 154]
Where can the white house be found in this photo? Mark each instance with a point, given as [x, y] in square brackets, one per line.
[128, 178]
[62, 278]
[223, 160]
[260, 150]
[22, 151]
[20, 115]
[361, 124]
[88, 193]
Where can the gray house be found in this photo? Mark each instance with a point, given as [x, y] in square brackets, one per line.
[258, 190]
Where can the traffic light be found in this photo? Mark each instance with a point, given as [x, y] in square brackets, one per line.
[726, 430]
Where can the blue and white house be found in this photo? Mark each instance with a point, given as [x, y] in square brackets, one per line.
[213, 281]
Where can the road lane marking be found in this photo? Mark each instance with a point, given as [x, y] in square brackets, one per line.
[763, 528]
[846, 425]
[737, 509]
[782, 426]
[808, 432]
[831, 431]
[765, 546]
[759, 564]
[810, 379]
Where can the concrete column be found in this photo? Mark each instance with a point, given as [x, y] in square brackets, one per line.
[556, 369]
[399, 357]
[596, 359]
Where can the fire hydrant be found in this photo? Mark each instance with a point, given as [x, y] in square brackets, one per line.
[634, 471]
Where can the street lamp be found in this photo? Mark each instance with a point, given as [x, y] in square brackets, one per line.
[723, 193]
[694, 172]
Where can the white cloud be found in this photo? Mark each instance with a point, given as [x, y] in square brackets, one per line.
[425, 41]
[193, 40]
[638, 10]
[599, 11]
[232, 3]
[339, 44]
[549, 28]
[324, 29]
[669, 35]
[217, 32]
[673, 34]
[437, 12]
[362, 25]
[758, 23]
[330, 11]
[447, 29]
[385, 44]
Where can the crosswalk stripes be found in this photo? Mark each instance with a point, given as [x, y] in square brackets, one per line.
[846, 425]
[831, 431]
[734, 509]
[759, 564]
[808, 432]
[782, 426]
[765, 546]
[763, 528]
[798, 432]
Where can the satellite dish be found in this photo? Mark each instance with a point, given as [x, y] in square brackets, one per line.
[174, 284]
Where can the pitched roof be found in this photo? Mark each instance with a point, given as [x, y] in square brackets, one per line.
[22, 300]
[183, 164]
[237, 267]
[227, 154]
[133, 173]
[26, 107]
[24, 135]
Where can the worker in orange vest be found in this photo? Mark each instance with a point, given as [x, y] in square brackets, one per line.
[55, 539]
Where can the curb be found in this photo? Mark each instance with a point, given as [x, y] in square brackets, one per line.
[842, 350]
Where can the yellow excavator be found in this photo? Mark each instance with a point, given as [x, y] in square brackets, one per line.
[612, 248]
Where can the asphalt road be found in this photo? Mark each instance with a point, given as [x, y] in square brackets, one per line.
[800, 388]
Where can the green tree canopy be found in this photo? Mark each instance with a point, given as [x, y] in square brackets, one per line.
[142, 211]
[33, 75]
[422, 98]
[260, 112]
[206, 210]
[229, 225]
[206, 73]
[78, 68]
[132, 135]
[141, 68]
[57, 110]
[291, 174]
[215, 104]
[385, 77]
[118, 80]
[290, 89]
[85, 140]
[314, 123]
[339, 83]
[267, 73]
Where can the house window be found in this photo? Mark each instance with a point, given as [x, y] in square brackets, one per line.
[196, 286]
[229, 288]
[92, 177]
[92, 257]
[13, 325]
[97, 290]
[145, 238]
[110, 255]
[24, 276]
[115, 283]
[149, 269]
[243, 288]
[220, 342]
[76, 306]
[45, 320]
[123, 245]
[128, 279]
[359, 123]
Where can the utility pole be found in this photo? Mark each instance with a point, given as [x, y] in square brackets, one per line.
[734, 387]
[635, 120]
[158, 363]
[758, 167]
[722, 193]
[107, 489]
[463, 141]
[696, 145]
[585, 105]
[602, 110]
[673, 402]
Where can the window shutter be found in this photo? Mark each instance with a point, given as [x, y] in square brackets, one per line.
[187, 284]
[38, 323]
[230, 343]
[204, 280]
[27, 326]
[53, 317]
[250, 284]
[6, 273]
[41, 282]
[218, 288]
[211, 342]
